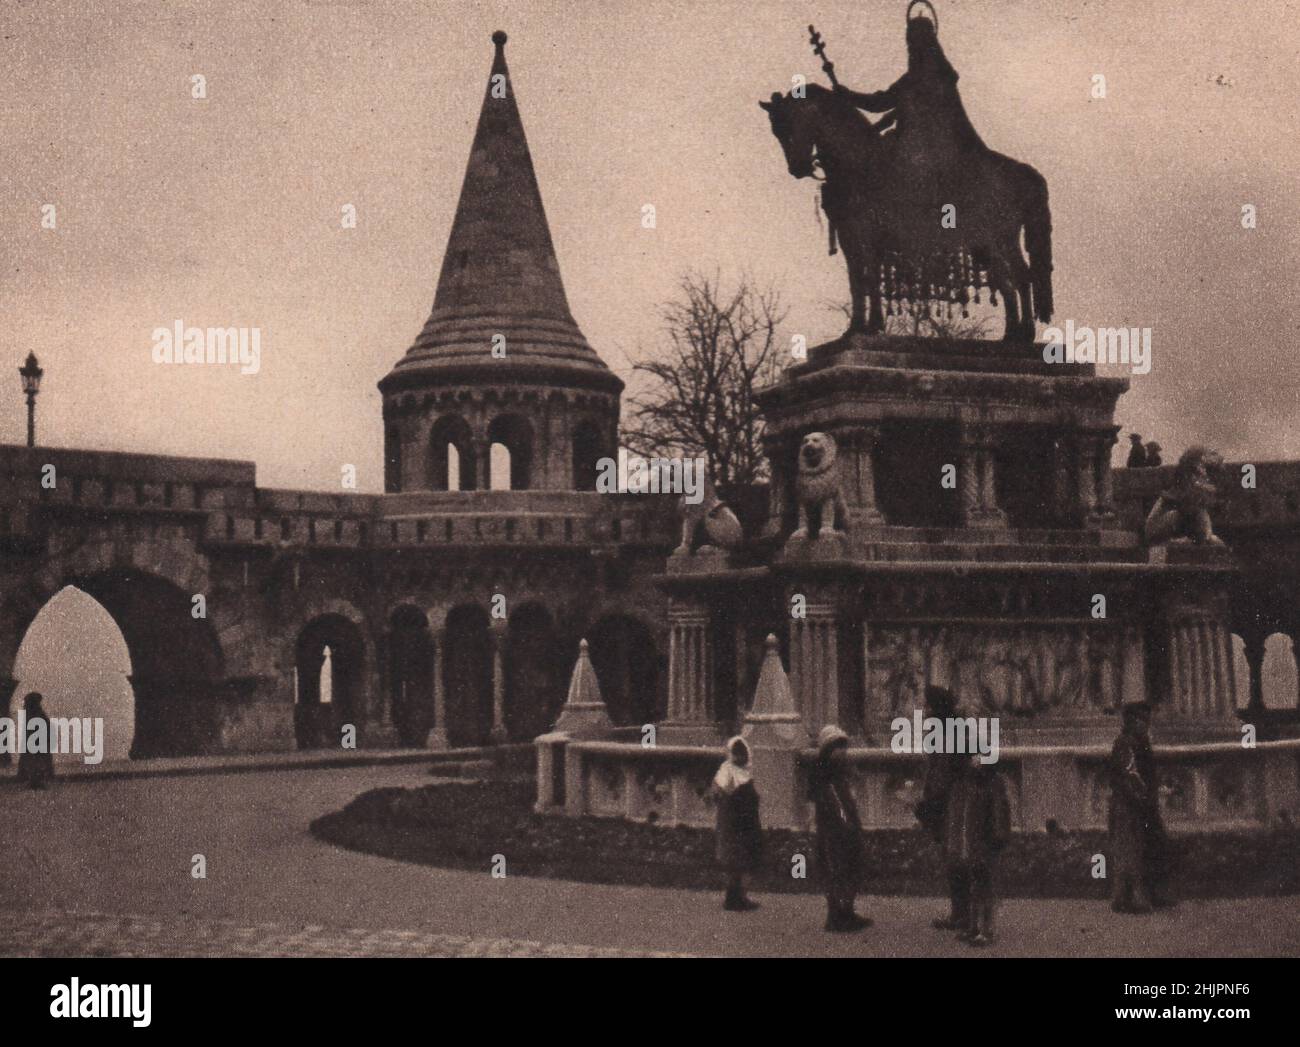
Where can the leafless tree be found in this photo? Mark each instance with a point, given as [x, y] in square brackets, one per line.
[936, 324]
[720, 346]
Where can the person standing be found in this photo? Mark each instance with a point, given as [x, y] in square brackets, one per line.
[1137, 455]
[1137, 834]
[841, 856]
[1153, 450]
[740, 834]
[36, 768]
[941, 771]
[978, 828]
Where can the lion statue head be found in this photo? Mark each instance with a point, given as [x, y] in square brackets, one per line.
[817, 454]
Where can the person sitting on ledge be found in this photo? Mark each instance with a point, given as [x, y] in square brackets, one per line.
[1137, 454]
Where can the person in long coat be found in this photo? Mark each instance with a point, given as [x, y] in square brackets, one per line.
[36, 768]
[841, 856]
[942, 769]
[739, 831]
[1137, 835]
[978, 827]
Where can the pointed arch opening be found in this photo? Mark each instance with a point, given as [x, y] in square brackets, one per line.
[451, 455]
[329, 659]
[75, 656]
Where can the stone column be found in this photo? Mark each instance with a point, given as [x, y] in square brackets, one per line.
[857, 445]
[1086, 478]
[1096, 491]
[1254, 643]
[690, 677]
[482, 452]
[498, 736]
[775, 448]
[814, 666]
[1105, 481]
[978, 479]
[1062, 479]
[437, 737]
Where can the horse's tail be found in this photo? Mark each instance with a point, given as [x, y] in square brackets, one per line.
[1038, 243]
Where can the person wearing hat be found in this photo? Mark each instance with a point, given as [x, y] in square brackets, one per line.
[1153, 455]
[841, 856]
[941, 771]
[1137, 834]
[1137, 455]
[740, 834]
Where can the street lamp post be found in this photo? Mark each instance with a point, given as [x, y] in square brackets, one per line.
[31, 373]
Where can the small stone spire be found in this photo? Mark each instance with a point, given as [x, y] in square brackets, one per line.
[773, 720]
[584, 713]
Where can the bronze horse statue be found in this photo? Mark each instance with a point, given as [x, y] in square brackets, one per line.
[885, 223]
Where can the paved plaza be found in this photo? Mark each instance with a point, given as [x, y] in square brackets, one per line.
[102, 867]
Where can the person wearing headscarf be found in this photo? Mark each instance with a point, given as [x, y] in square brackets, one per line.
[978, 827]
[841, 856]
[1137, 835]
[36, 768]
[740, 834]
[942, 769]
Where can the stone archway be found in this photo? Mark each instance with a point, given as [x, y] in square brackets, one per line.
[534, 673]
[627, 664]
[330, 662]
[411, 662]
[75, 656]
[467, 669]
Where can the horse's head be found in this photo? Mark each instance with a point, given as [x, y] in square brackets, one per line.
[794, 129]
[818, 125]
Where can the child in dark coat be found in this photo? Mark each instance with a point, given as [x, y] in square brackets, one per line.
[978, 828]
[841, 854]
[740, 834]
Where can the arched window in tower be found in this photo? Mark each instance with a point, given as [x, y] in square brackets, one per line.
[393, 460]
[327, 677]
[588, 449]
[499, 467]
[451, 455]
[511, 437]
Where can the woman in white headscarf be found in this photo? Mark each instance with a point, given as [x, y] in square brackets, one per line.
[740, 835]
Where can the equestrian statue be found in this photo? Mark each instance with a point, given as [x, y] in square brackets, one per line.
[927, 215]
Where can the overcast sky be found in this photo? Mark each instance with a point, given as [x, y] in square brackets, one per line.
[226, 211]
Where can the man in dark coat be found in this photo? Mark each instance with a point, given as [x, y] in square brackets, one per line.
[978, 827]
[1137, 454]
[841, 856]
[941, 771]
[1137, 835]
[36, 768]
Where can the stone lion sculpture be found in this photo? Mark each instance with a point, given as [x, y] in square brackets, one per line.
[710, 523]
[1182, 513]
[817, 486]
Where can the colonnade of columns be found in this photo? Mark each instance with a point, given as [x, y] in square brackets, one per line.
[1080, 467]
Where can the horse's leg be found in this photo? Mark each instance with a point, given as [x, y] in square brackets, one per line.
[853, 262]
[1022, 278]
[1000, 276]
[871, 276]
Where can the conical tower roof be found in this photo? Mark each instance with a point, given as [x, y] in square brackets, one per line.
[500, 275]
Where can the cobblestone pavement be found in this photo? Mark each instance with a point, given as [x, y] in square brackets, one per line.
[105, 867]
[99, 934]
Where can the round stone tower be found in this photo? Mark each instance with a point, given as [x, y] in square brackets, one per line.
[500, 360]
